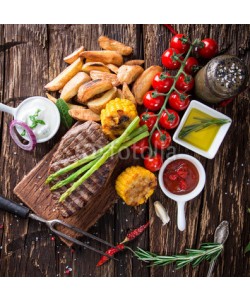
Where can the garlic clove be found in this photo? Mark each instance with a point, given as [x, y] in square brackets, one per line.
[161, 213]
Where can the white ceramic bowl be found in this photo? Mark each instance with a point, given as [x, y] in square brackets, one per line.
[52, 107]
[182, 199]
[219, 136]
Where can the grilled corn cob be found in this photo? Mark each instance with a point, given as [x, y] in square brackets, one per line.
[135, 185]
[116, 117]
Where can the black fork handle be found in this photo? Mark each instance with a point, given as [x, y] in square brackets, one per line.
[14, 208]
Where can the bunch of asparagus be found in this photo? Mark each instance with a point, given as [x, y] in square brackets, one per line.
[93, 162]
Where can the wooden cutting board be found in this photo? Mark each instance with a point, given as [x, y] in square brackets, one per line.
[33, 191]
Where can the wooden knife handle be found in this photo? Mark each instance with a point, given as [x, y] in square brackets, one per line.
[14, 208]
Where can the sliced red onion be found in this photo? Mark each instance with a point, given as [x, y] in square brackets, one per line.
[32, 138]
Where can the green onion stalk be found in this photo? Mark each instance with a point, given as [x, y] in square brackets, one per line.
[93, 162]
[134, 136]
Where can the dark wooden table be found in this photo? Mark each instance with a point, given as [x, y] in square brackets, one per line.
[31, 55]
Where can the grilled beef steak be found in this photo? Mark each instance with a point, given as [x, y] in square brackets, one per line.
[80, 141]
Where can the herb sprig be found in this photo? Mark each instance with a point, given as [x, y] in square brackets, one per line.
[207, 251]
[201, 124]
[34, 121]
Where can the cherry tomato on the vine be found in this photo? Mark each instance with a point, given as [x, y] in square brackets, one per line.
[208, 48]
[162, 82]
[184, 83]
[191, 65]
[170, 59]
[178, 101]
[180, 42]
[148, 118]
[152, 102]
[161, 139]
[141, 146]
[153, 163]
[169, 119]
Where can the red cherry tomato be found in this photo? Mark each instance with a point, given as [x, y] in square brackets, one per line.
[162, 83]
[169, 119]
[170, 59]
[208, 49]
[180, 42]
[161, 139]
[151, 102]
[191, 65]
[141, 146]
[149, 119]
[184, 83]
[153, 163]
[178, 101]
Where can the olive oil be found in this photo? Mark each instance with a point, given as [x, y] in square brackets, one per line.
[204, 138]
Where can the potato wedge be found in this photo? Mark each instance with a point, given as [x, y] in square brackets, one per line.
[120, 94]
[84, 115]
[112, 68]
[70, 105]
[59, 82]
[133, 62]
[51, 98]
[143, 83]
[109, 44]
[95, 66]
[106, 57]
[92, 88]
[71, 87]
[73, 56]
[75, 106]
[127, 94]
[105, 76]
[98, 104]
[129, 74]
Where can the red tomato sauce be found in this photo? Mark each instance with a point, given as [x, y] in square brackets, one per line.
[180, 177]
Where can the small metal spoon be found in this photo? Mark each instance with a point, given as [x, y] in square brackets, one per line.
[220, 236]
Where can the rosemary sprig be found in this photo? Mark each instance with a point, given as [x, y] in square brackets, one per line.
[203, 123]
[207, 251]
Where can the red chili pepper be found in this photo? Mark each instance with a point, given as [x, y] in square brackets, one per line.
[170, 28]
[110, 252]
[135, 233]
[129, 237]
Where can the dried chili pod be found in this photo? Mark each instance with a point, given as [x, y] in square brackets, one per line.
[135, 233]
[110, 252]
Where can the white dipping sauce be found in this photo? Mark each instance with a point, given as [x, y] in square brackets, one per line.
[40, 110]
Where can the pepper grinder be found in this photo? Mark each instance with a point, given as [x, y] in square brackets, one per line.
[223, 77]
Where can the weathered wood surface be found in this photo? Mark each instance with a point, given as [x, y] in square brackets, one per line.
[30, 55]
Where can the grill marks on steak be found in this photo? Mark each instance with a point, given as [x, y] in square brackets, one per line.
[78, 142]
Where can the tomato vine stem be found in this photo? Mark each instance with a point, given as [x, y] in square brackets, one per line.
[173, 88]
